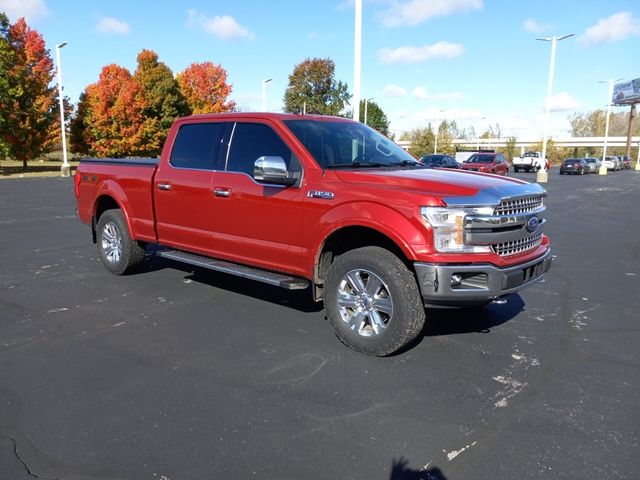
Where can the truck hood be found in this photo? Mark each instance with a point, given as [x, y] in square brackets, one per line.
[455, 187]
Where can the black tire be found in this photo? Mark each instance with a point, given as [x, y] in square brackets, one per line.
[373, 302]
[119, 253]
[515, 169]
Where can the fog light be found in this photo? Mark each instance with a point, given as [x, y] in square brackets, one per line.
[456, 280]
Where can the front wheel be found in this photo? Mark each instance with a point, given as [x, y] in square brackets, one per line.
[119, 253]
[373, 302]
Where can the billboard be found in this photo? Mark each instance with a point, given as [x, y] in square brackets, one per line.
[626, 93]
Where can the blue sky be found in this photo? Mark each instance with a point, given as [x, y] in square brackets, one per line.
[473, 61]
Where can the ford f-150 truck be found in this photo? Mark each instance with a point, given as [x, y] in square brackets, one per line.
[325, 204]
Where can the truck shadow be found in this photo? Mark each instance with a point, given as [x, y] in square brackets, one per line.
[447, 321]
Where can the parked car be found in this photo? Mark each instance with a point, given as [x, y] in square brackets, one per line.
[594, 164]
[487, 163]
[625, 160]
[439, 160]
[577, 166]
[612, 163]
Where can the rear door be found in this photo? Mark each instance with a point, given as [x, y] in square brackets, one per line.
[257, 223]
[182, 187]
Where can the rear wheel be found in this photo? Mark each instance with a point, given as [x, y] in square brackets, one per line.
[372, 301]
[119, 253]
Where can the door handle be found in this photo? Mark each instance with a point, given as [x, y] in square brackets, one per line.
[164, 186]
[222, 192]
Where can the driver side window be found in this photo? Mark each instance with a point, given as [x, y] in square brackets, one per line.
[251, 141]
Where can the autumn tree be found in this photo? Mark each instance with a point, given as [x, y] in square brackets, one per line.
[314, 89]
[376, 118]
[205, 87]
[28, 101]
[110, 119]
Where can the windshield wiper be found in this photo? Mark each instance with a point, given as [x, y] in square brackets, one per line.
[407, 163]
[357, 165]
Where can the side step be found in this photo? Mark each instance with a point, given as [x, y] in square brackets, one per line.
[264, 276]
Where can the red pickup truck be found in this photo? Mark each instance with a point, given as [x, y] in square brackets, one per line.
[325, 204]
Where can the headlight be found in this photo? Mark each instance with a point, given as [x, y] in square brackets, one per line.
[448, 228]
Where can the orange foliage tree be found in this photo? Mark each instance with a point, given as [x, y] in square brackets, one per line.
[205, 87]
[110, 118]
[30, 124]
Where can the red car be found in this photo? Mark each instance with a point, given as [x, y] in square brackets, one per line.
[487, 163]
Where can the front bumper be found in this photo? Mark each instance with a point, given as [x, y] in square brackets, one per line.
[469, 284]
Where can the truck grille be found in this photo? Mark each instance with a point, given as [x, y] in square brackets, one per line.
[519, 205]
[517, 246]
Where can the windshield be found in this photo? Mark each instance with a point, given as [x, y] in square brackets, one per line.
[348, 145]
[480, 159]
[530, 154]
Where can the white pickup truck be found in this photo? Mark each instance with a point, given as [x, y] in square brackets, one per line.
[529, 161]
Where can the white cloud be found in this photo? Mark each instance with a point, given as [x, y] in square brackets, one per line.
[410, 54]
[110, 25]
[415, 12]
[563, 102]
[611, 29]
[393, 91]
[533, 26]
[222, 26]
[29, 9]
[421, 93]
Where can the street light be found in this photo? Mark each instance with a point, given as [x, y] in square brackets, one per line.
[65, 170]
[603, 169]
[357, 60]
[542, 174]
[478, 134]
[264, 94]
[366, 105]
[437, 129]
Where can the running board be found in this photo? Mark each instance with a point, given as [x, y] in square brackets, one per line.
[264, 276]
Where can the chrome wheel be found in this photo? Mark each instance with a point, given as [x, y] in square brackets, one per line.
[111, 241]
[364, 302]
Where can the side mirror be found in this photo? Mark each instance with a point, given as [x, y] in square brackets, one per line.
[272, 170]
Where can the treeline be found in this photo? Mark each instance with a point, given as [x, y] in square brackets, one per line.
[122, 114]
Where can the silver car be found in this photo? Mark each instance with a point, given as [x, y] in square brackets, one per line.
[594, 164]
[612, 163]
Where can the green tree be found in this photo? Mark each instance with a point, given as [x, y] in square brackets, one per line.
[510, 148]
[314, 89]
[163, 98]
[30, 117]
[6, 92]
[422, 141]
[376, 118]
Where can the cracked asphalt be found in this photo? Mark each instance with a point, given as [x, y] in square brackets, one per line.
[174, 373]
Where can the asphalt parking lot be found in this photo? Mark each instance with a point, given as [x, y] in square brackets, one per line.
[175, 374]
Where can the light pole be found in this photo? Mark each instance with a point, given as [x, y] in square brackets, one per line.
[542, 175]
[603, 169]
[366, 105]
[65, 170]
[437, 129]
[478, 134]
[264, 94]
[357, 60]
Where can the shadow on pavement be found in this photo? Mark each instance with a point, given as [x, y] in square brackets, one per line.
[400, 471]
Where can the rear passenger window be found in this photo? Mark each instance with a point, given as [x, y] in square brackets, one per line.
[254, 140]
[196, 145]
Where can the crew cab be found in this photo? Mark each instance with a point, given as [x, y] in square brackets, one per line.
[325, 204]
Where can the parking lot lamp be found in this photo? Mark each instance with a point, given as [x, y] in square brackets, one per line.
[543, 175]
[264, 94]
[65, 170]
[357, 60]
[603, 169]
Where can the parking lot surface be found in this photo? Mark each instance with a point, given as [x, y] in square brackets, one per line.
[174, 373]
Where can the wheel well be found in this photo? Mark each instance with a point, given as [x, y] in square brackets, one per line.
[350, 238]
[104, 203]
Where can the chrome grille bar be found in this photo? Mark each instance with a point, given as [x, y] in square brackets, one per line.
[519, 205]
[517, 246]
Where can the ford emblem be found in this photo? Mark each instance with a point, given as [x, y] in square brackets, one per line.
[532, 224]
